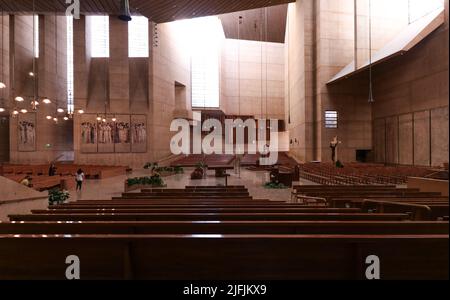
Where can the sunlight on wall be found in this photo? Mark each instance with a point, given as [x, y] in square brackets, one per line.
[204, 37]
[421, 8]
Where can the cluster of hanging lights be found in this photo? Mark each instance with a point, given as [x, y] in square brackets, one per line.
[19, 103]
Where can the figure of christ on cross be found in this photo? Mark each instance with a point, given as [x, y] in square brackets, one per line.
[333, 145]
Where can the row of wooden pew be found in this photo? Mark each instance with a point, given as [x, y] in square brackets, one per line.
[360, 174]
[247, 160]
[218, 233]
[90, 171]
[44, 182]
[419, 205]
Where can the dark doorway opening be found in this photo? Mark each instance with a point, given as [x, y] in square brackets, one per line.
[363, 156]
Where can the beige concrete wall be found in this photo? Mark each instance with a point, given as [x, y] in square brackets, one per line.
[321, 41]
[298, 57]
[170, 65]
[253, 72]
[4, 139]
[412, 90]
[51, 74]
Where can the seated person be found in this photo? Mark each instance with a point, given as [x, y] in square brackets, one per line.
[26, 181]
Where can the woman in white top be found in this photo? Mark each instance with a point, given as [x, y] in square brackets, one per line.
[79, 178]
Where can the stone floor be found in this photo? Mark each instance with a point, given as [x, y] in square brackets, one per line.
[105, 189]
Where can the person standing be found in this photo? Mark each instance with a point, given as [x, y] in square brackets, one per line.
[79, 177]
[52, 170]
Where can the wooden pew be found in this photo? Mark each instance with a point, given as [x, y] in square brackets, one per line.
[196, 210]
[357, 201]
[144, 206]
[212, 217]
[210, 257]
[231, 201]
[227, 227]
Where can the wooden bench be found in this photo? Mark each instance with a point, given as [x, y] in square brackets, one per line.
[212, 217]
[196, 210]
[227, 227]
[237, 257]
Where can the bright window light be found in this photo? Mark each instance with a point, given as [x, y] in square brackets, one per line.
[331, 119]
[421, 8]
[70, 105]
[138, 37]
[36, 35]
[99, 33]
[204, 37]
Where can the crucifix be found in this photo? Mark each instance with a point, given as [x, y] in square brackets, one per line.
[333, 145]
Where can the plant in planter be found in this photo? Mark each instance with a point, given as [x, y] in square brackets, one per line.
[202, 166]
[155, 181]
[151, 166]
[57, 196]
[178, 170]
[275, 186]
[197, 174]
[339, 164]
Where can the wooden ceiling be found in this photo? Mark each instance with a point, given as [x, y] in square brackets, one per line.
[159, 11]
[253, 24]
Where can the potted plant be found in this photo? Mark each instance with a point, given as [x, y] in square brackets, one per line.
[57, 196]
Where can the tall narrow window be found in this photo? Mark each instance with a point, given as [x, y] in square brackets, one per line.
[70, 103]
[36, 35]
[99, 33]
[138, 37]
[331, 119]
[203, 41]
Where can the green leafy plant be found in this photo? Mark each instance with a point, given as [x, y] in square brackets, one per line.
[178, 170]
[201, 165]
[339, 164]
[197, 174]
[154, 180]
[275, 186]
[151, 166]
[57, 196]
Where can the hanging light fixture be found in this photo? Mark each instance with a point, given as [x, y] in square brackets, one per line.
[125, 14]
[371, 98]
[23, 110]
[60, 110]
[49, 117]
[34, 102]
[15, 112]
[2, 83]
[19, 99]
[80, 111]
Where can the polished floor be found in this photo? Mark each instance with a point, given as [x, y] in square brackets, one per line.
[105, 189]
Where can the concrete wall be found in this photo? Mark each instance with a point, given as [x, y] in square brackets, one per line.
[411, 109]
[298, 73]
[131, 86]
[320, 42]
[254, 73]
[50, 82]
[4, 139]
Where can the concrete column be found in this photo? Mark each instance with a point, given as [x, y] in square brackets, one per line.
[119, 69]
